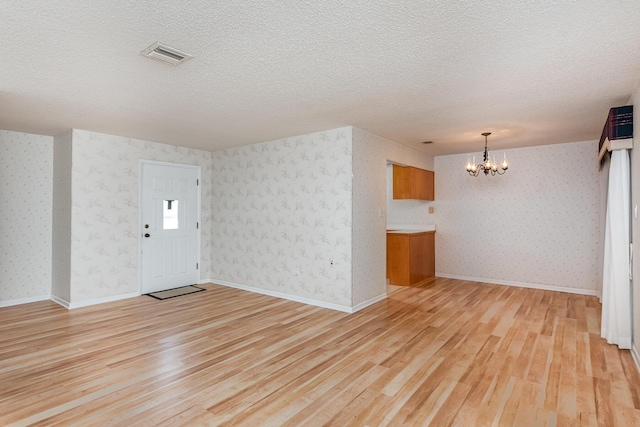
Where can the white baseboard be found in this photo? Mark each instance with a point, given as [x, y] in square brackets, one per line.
[309, 301]
[636, 356]
[520, 284]
[72, 305]
[62, 302]
[367, 303]
[27, 300]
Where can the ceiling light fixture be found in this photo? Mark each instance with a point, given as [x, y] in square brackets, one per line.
[487, 165]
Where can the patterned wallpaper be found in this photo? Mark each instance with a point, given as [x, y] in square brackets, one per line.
[369, 225]
[25, 215]
[272, 207]
[370, 155]
[282, 205]
[538, 223]
[104, 238]
[61, 265]
[406, 212]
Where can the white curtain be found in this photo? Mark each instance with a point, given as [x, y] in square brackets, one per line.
[616, 286]
[602, 211]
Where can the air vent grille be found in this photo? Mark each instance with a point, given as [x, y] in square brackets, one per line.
[166, 54]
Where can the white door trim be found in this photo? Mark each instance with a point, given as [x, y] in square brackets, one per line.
[198, 211]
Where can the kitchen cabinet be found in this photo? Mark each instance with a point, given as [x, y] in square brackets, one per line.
[411, 256]
[412, 183]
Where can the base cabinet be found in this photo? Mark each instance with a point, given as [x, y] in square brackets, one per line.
[410, 257]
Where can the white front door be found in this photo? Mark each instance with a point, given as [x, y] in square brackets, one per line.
[169, 229]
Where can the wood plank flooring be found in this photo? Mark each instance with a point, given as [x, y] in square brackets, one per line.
[448, 352]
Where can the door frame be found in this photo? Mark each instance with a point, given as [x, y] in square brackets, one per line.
[198, 170]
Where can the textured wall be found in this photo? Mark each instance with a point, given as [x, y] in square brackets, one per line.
[369, 227]
[538, 223]
[370, 155]
[25, 215]
[61, 260]
[405, 211]
[284, 204]
[105, 197]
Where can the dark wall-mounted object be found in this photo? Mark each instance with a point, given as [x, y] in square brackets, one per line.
[617, 133]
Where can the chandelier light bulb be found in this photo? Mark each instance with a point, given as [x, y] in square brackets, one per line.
[468, 165]
[505, 163]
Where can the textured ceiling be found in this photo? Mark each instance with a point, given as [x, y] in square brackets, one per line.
[531, 72]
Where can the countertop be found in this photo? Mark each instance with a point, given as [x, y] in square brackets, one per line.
[426, 229]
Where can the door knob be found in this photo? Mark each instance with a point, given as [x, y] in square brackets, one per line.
[147, 235]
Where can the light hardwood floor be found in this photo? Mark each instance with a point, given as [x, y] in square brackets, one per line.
[448, 352]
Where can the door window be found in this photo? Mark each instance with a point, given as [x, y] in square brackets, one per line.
[170, 214]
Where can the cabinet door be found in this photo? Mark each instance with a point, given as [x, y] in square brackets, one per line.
[421, 184]
[422, 257]
[398, 259]
[401, 182]
[418, 261]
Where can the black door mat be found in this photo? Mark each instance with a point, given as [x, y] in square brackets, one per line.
[175, 292]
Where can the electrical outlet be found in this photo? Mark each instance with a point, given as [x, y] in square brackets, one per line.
[295, 271]
[332, 262]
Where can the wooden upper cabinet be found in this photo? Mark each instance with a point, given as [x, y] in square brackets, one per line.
[412, 183]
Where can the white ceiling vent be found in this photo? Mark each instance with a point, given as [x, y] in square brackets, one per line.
[166, 54]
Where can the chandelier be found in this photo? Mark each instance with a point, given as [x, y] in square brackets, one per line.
[488, 165]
